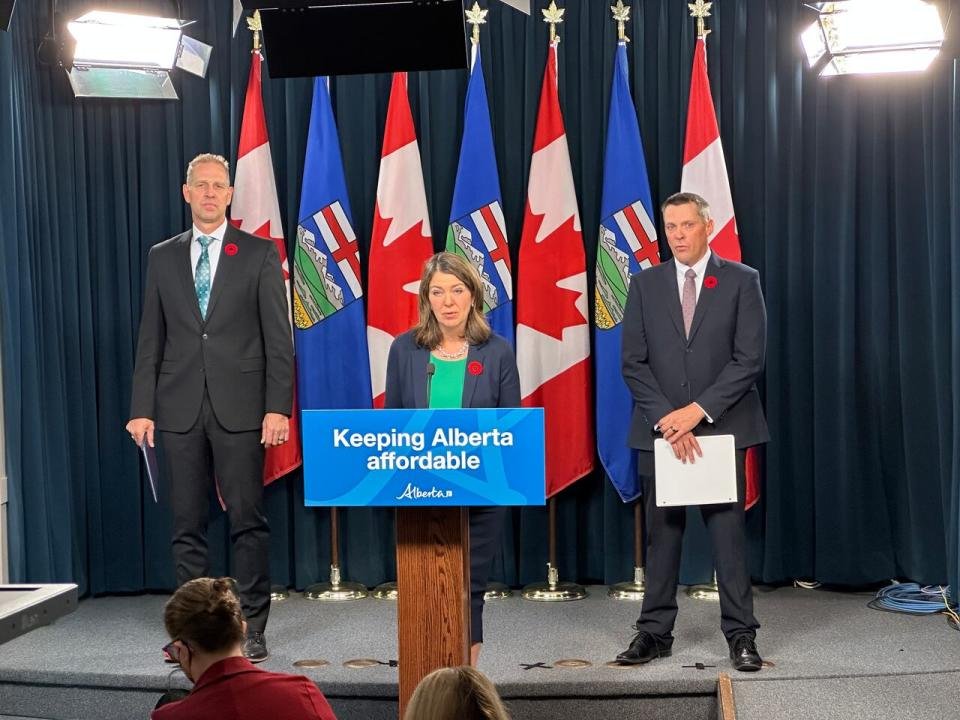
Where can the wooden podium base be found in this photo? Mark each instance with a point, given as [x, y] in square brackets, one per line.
[433, 603]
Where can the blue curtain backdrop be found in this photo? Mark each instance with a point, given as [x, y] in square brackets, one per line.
[847, 193]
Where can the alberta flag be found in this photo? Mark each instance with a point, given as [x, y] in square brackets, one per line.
[476, 229]
[627, 245]
[330, 332]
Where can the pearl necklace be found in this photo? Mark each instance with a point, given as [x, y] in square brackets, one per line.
[455, 355]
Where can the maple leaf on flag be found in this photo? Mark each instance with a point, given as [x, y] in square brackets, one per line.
[567, 305]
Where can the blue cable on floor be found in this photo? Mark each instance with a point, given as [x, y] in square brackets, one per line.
[913, 599]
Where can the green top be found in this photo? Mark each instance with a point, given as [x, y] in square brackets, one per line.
[446, 386]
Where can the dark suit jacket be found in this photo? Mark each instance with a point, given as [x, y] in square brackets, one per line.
[498, 385]
[243, 351]
[717, 367]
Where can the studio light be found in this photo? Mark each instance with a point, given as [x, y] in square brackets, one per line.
[121, 55]
[873, 36]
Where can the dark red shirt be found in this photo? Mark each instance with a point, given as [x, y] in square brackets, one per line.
[234, 688]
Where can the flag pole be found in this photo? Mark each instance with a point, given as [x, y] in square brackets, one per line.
[700, 10]
[337, 590]
[277, 592]
[636, 588]
[553, 590]
[477, 16]
[631, 589]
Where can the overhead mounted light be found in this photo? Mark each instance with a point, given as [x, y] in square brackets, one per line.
[873, 36]
[122, 55]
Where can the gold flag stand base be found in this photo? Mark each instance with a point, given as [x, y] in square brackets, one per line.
[497, 591]
[336, 590]
[553, 590]
[385, 591]
[709, 592]
[278, 593]
[632, 590]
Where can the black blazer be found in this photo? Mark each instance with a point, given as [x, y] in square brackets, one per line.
[717, 367]
[242, 352]
[497, 384]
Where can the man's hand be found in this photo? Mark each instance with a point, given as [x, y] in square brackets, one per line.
[276, 429]
[679, 422]
[686, 448]
[140, 427]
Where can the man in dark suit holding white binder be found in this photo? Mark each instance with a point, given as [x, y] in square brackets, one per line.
[694, 337]
[214, 374]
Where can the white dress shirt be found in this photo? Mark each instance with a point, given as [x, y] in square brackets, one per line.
[699, 267]
[213, 250]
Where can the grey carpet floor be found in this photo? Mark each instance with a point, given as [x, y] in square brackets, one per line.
[929, 696]
[115, 642]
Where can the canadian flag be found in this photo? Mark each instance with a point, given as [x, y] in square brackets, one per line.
[401, 241]
[553, 333]
[705, 173]
[256, 210]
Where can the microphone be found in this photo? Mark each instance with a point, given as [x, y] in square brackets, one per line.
[431, 369]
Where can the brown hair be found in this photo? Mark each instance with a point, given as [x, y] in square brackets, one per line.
[687, 198]
[427, 330]
[461, 693]
[205, 613]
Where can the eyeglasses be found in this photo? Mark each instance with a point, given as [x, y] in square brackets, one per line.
[173, 650]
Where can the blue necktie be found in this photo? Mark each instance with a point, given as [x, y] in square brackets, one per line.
[201, 278]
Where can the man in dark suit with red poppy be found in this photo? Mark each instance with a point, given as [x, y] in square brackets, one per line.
[694, 338]
[214, 374]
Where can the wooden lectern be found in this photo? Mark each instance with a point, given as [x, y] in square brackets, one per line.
[495, 457]
[433, 593]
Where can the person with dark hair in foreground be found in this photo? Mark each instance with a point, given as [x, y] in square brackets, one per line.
[460, 693]
[207, 630]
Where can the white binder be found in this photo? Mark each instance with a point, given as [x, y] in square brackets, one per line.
[710, 480]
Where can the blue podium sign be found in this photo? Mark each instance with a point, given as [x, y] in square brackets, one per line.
[423, 458]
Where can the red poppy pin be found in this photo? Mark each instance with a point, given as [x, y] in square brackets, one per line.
[710, 282]
[475, 367]
[231, 249]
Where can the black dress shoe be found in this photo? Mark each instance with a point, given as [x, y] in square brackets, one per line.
[643, 648]
[743, 653]
[255, 647]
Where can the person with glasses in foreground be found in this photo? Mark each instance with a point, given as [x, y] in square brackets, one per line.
[207, 630]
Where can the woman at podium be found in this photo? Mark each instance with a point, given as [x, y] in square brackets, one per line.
[452, 359]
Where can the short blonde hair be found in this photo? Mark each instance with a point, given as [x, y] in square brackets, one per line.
[427, 332]
[207, 158]
[460, 693]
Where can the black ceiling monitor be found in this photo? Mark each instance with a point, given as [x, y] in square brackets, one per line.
[345, 37]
